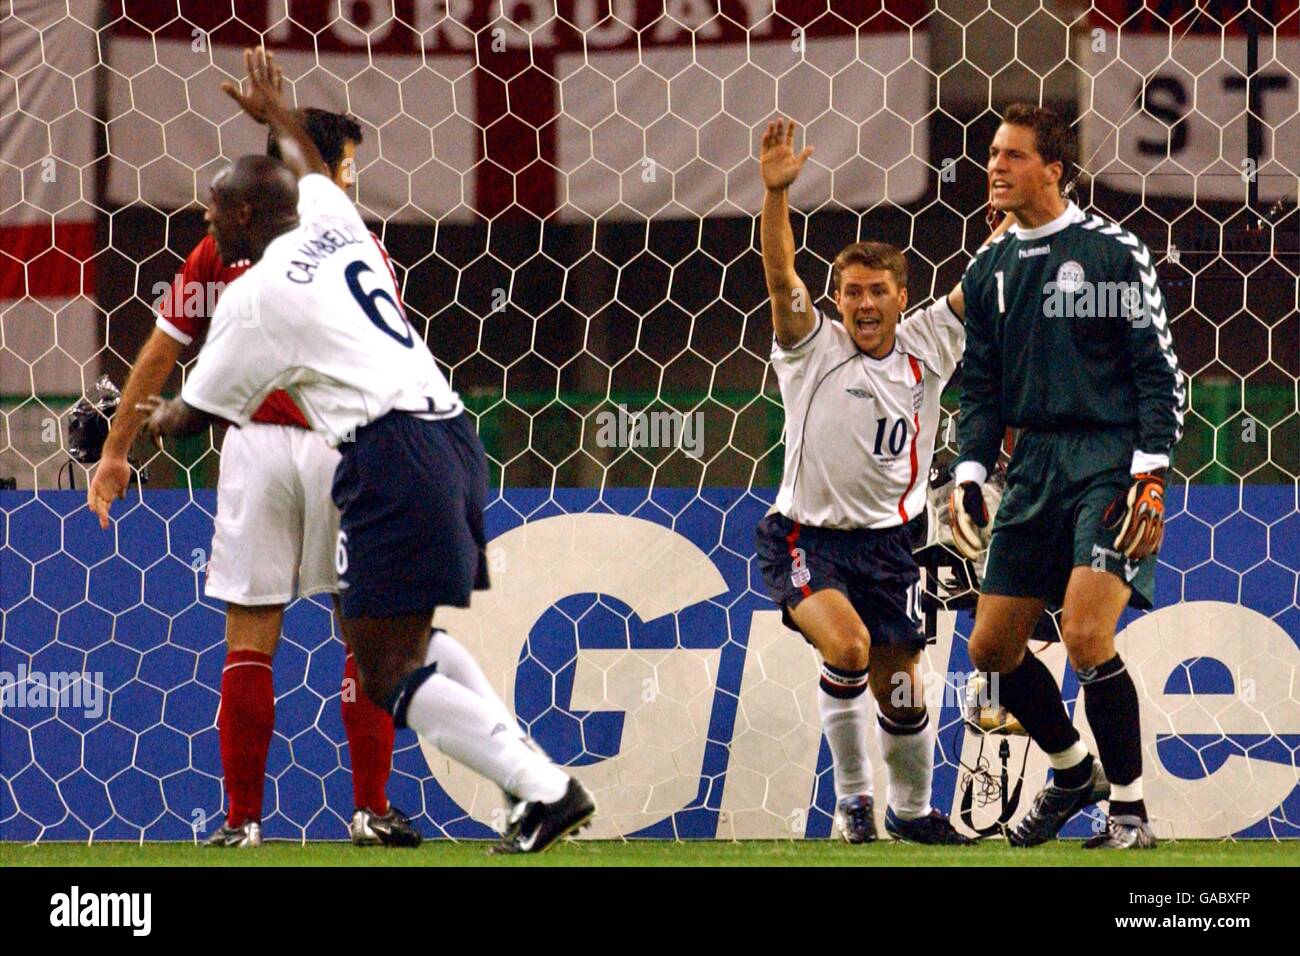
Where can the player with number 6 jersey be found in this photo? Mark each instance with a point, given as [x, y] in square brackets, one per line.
[861, 392]
[318, 315]
[273, 538]
[280, 327]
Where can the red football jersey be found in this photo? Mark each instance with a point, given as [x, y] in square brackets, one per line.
[185, 310]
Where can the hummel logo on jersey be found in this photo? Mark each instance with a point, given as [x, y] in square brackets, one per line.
[858, 392]
[1035, 251]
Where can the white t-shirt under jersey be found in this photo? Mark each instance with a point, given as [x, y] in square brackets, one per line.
[859, 431]
[318, 315]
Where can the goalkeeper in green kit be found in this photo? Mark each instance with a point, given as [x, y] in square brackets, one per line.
[1067, 339]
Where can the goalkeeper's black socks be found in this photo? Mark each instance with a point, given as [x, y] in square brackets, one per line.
[1111, 703]
[1128, 808]
[1031, 694]
[1072, 778]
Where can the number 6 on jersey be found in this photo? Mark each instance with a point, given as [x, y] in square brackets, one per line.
[341, 554]
[369, 302]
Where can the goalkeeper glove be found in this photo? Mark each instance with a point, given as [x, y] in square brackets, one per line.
[969, 517]
[1137, 516]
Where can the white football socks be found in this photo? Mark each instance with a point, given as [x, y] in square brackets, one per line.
[455, 662]
[1126, 792]
[908, 751]
[467, 729]
[845, 722]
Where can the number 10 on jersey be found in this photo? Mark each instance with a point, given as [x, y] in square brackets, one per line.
[897, 436]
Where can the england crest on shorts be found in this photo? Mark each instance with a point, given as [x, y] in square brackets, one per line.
[799, 573]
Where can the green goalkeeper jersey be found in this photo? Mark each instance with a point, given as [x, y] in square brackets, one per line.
[1066, 330]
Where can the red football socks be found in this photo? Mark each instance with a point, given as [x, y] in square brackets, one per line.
[245, 722]
[370, 740]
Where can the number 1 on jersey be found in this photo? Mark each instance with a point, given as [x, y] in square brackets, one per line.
[1002, 302]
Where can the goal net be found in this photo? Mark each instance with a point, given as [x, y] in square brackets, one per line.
[569, 191]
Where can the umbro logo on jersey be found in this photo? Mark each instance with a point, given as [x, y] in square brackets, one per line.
[859, 392]
[1035, 251]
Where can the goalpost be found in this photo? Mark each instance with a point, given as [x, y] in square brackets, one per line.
[569, 191]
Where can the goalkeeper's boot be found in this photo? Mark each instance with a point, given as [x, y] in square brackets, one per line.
[248, 835]
[388, 829]
[1123, 833]
[933, 829]
[544, 824]
[1054, 806]
[856, 818]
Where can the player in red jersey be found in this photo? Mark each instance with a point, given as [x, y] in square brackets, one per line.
[273, 540]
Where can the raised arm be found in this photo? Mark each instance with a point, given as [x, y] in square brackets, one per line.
[265, 103]
[792, 312]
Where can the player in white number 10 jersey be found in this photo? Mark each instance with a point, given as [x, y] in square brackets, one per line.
[318, 315]
[861, 393]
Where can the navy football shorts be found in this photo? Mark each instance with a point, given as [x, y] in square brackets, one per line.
[873, 568]
[410, 494]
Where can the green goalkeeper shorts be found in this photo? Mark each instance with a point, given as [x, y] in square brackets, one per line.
[1049, 520]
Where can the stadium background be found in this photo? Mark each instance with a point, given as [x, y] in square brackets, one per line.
[571, 200]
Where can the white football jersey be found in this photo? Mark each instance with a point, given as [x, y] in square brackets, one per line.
[318, 315]
[860, 431]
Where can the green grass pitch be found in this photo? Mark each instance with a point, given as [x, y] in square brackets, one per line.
[654, 853]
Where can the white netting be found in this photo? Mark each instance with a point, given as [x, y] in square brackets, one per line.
[569, 191]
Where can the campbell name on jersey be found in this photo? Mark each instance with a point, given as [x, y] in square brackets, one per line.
[1066, 329]
[860, 431]
[319, 316]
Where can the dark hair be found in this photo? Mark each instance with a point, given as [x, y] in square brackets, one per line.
[873, 255]
[1053, 136]
[329, 131]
